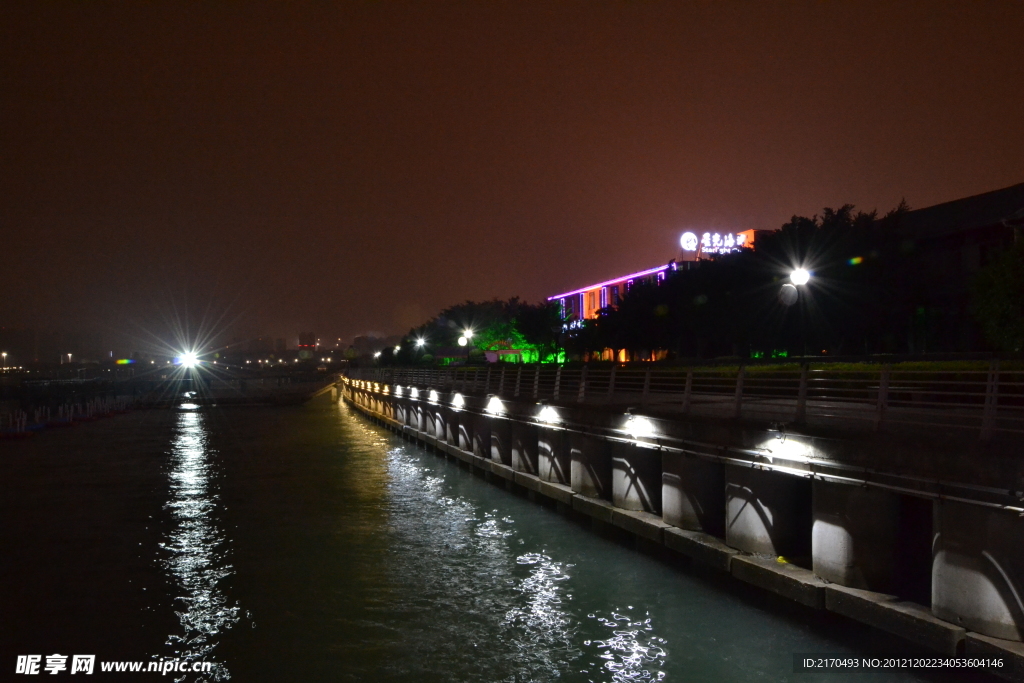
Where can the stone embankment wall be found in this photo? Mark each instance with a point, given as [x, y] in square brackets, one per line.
[821, 521]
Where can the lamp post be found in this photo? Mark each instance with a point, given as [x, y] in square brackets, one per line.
[800, 277]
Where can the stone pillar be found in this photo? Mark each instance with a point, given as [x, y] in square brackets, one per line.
[423, 413]
[767, 513]
[553, 455]
[524, 447]
[636, 477]
[693, 493]
[978, 569]
[465, 435]
[481, 435]
[501, 440]
[451, 425]
[435, 427]
[853, 537]
[591, 466]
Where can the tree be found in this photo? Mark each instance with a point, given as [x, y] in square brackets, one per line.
[998, 299]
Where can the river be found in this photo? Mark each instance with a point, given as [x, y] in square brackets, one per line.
[307, 544]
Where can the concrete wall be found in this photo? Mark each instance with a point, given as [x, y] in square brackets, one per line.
[636, 477]
[854, 535]
[693, 493]
[978, 569]
[553, 455]
[962, 563]
[767, 513]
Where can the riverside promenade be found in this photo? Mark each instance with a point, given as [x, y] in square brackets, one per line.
[891, 494]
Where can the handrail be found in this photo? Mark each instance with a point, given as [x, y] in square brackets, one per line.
[988, 401]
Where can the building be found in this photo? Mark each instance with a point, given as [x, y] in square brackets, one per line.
[931, 255]
[585, 302]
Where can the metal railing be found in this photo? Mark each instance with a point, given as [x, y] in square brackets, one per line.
[979, 397]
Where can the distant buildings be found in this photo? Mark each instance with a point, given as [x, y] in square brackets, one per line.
[584, 303]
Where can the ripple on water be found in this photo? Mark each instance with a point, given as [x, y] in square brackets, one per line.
[630, 650]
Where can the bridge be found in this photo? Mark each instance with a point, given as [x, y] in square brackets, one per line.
[891, 493]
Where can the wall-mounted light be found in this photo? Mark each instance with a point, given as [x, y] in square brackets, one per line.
[548, 415]
[458, 402]
[495, 406]
[639, 426]
[432, 397]
[414, 393]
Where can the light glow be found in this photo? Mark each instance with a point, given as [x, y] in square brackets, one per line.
[639, 426]
[458, 402]
[189, 359]
[548, 415]
[433, 397]
[799, 277]
[642, 273]
[495, 406]
[463, 341]
[414, 393]
[421, 341]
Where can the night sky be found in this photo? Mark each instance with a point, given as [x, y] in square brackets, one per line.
[352, 168]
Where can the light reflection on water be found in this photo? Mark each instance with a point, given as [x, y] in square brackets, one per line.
[487, 598]
[630, 648]
[196, 561]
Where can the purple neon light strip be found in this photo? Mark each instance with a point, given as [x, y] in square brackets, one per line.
[649, 271]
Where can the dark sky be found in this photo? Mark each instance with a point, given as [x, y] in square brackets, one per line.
[354, 167]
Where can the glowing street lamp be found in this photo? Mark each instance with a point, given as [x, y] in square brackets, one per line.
[800, 276]
[421, 341]
[468, 333]
[463, 341]
[4, 354]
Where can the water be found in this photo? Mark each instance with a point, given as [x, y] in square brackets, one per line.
[306, 544]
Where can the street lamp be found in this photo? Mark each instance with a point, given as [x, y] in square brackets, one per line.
[4, 354]
[791, 295]
[421, 341]
[800, 276]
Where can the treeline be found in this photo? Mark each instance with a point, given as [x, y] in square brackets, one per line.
[872, 290]
[533, 329]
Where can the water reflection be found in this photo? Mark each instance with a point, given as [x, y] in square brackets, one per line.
[196, 559]
[630, 648]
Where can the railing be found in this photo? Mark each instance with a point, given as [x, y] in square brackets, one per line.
[968, 396]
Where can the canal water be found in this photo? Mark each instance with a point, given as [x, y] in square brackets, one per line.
[307, 544]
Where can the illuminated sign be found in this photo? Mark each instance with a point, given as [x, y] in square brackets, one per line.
[708, 243]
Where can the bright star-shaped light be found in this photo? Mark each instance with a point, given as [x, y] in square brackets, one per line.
[189, 359]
